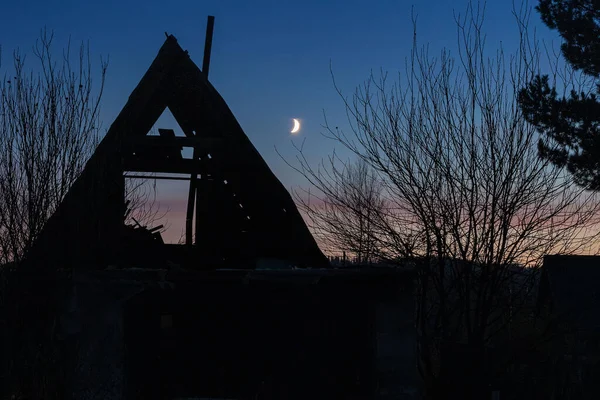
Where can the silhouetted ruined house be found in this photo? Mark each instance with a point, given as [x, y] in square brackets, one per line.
[105, 311]
[243, 212]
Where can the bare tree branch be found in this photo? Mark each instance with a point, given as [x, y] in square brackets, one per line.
[49, 124]
[447, 174]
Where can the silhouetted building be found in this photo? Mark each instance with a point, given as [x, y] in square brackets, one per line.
[243, 214]
[157, 334]
[108, 311]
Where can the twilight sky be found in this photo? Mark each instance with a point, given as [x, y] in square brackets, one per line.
[270, 59]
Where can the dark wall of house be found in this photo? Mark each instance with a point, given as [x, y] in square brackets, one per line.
[155, 334]
[238, 341]
[32, 356]
[396, 356]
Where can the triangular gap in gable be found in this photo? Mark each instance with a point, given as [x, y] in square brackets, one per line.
[168, 121]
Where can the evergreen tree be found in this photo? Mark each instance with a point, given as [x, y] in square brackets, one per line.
[570, 125]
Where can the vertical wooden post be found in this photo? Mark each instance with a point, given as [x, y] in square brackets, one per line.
[204, 191]
[208, 44]
[196, 156]
[190, 204]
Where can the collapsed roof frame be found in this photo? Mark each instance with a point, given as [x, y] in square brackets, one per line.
[242, 209]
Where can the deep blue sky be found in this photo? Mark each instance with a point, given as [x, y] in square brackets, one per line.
[270, 59]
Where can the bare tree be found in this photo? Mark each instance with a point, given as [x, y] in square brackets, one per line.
[461, 192]
[143, 209]
[49, 127]
[343, 217]
[49, 124]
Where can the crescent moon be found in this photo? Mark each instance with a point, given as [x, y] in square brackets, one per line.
[296, 126]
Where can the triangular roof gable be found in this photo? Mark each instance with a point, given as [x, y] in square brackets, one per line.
[86, 224]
